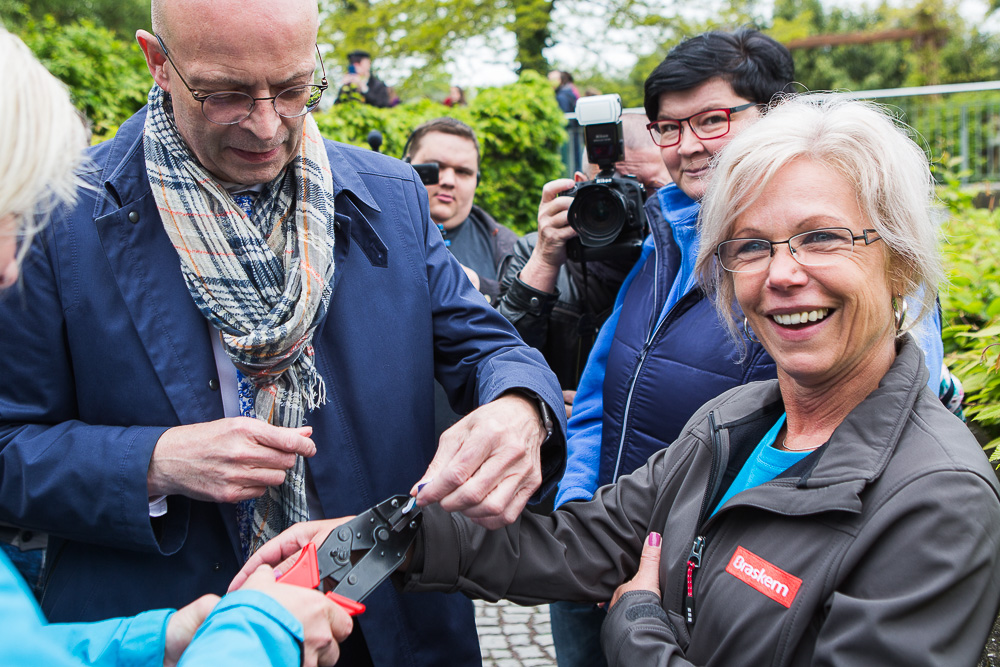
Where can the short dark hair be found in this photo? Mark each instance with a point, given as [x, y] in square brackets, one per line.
[445, 125]
[358, 55]
[756, 66]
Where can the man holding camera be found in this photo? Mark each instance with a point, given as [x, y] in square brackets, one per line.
[445, 152]
[558, 304]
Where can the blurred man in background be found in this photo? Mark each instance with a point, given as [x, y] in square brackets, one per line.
[359, 81]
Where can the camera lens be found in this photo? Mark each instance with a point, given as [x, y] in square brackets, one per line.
[598, 214]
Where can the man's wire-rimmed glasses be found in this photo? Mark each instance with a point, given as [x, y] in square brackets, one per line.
[710, 124]
[819, 247]
[231, 107]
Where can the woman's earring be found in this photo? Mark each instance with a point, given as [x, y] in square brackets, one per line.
[899, 310]
[746, 330]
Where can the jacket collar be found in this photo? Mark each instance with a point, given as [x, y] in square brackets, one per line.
[676, 205]
[834, 476]
[678, 211]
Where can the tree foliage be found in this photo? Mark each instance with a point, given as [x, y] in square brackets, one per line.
[106, 77]
[123, 17]
[970, 301]
[949, 50]
[417, 35]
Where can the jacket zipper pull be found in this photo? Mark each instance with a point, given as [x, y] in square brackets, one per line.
[693, 563]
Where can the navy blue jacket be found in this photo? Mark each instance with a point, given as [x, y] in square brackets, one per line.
[103, 349]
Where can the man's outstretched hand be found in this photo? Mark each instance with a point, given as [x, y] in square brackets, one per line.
[489, 463]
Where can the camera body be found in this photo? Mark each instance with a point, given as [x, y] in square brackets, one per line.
[607, 212]
[429, 172]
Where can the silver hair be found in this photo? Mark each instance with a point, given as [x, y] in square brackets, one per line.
[862, 142]
[42, 138]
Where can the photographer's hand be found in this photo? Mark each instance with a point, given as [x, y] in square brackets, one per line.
[542, 267]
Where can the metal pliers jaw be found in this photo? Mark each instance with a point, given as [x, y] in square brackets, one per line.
[360, 554]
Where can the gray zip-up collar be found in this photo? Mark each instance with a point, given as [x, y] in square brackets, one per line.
[833, 477]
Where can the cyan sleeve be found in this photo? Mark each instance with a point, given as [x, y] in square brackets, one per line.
[27, 639]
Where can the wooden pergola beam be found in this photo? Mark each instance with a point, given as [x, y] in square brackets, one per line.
[851, 38]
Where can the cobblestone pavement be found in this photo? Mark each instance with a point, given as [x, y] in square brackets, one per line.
[513, 636]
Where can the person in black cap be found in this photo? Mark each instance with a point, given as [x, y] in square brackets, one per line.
[359, 81]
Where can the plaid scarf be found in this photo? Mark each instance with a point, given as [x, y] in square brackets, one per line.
[263, 281]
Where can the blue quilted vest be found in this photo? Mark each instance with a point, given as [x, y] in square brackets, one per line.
[663, 367]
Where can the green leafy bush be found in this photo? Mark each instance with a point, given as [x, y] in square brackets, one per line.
[106, 76]
[971, 304]
[519, 126]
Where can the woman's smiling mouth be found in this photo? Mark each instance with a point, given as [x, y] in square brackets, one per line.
[786, 319]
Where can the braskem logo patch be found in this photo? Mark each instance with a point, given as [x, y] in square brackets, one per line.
[757, 573]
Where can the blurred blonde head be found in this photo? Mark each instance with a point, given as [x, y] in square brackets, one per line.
[864, 144]
[42, 138]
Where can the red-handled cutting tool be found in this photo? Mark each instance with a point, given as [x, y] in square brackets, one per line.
[360, 554]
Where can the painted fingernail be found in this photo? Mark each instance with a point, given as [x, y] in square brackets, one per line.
[654, 540]
[277, 574]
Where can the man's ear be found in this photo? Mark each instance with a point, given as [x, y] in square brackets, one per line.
[156, 60]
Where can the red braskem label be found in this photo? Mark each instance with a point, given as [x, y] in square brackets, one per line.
[757, 573]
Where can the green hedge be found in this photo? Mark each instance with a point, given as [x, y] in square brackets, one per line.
[970, 304]
[107, 77]
[520, 130]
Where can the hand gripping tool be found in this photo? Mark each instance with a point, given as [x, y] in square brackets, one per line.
[359, 555]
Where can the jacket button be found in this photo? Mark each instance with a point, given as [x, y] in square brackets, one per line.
[213, 384]
[217, 567]
[133, 217]
[534, 302]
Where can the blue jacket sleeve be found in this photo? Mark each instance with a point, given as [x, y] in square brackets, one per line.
[246, 628]
[478, 353]
[55, 461]
[583, 440]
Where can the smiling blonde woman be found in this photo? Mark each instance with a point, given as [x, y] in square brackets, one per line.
[839, 515]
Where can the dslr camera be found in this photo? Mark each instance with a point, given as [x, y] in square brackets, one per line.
[606, 212]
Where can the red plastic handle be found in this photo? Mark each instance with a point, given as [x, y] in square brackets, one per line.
[352, 607]
[305, 573]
